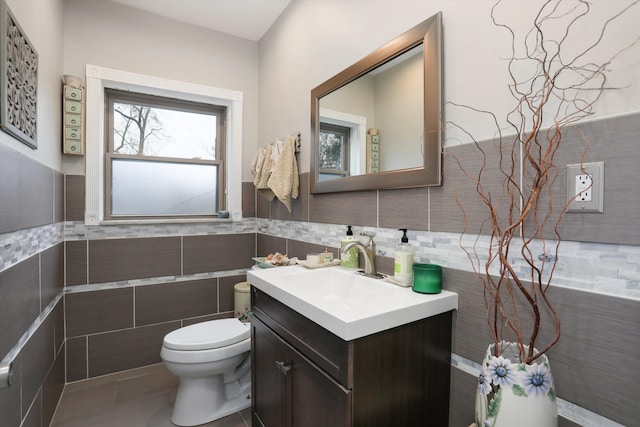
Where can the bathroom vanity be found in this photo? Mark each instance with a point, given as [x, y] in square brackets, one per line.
[338, 349]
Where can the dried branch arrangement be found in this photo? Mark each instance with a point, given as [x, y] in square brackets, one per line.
[554, 85]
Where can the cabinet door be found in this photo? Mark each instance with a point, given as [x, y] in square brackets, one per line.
[317, 400]
[268, 381]
[289, 390]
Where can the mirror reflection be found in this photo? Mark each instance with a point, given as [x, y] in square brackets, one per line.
[374, 123]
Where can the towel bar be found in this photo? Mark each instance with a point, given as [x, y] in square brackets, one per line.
[6, 370]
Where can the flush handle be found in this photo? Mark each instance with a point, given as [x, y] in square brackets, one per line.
[284, 367]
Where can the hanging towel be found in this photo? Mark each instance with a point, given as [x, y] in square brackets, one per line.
[283, 180]
[263, 170]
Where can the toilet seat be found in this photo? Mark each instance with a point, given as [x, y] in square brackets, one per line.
[209, 335]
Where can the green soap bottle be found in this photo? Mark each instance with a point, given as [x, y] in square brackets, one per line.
[349, 258]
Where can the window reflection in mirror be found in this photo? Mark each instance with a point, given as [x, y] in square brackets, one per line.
[386, 102]
[334, 146]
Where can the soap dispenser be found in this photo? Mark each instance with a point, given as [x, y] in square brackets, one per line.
[403, 264]
[350, 257]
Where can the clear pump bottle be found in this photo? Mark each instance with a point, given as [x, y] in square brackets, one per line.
[403, 263]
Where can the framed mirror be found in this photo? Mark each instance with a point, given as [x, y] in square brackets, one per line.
[376, 125]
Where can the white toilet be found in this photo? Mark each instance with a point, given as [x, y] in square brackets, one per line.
[212, 361]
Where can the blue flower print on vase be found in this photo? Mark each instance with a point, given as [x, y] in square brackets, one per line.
[508, 389]
[484, 384]
[537, 380]
[501, 371]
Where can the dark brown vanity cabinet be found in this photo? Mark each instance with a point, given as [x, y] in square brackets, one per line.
[305, 376]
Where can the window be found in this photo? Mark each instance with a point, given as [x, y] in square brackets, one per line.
[164, 157]
[334, 151]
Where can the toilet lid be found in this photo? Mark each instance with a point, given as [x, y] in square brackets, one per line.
[207, 335]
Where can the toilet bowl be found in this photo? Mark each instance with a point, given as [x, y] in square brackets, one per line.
[213, 364]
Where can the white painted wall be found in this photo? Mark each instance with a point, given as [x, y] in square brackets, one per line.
[315, 39]
[41, 21]
[118, 37]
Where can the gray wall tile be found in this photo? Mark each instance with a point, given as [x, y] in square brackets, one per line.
[98, 311]
[125, 259]
[263, 206]
[58, 325]
[270, 245]
[74, 197]
[34, 417]
[357, 207]
[52, 388]
[462, 165]
[127, 349]
[406, 208]
[462, 398]
[218, 252]
[174, 301]
[76, 262]
[10, 218]
[36, 193]
[10, 399]
[52, 273]
[19, 301]
[226, 292]
[200, 319]
[300, 249]
[58, 197]
[76, 358]
[37, 356]
[248, 200]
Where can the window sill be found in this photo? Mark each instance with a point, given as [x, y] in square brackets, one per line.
[165, 221]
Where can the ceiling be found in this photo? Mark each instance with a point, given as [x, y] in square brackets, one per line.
[248, 19]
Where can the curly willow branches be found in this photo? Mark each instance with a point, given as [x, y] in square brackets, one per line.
[554, 86]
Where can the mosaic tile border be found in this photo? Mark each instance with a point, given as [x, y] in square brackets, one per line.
[77, 230]
[594, 267]
[151, 281]
[19, 245]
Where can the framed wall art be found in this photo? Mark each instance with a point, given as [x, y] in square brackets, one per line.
[18, 80]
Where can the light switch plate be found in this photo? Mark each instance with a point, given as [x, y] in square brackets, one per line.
[586, 198]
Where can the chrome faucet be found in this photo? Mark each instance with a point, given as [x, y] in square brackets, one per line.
[369, 252]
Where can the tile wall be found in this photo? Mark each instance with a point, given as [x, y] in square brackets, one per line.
[128, 286]
[31, 289]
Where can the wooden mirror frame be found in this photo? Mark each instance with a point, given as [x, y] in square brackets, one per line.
[428, 33]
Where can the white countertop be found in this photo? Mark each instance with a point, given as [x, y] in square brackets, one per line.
[345, 303]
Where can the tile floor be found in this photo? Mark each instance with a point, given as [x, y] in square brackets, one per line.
[137, 398]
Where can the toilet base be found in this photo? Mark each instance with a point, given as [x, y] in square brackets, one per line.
[202, 400]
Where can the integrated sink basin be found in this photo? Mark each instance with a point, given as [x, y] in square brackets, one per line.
[348, 304]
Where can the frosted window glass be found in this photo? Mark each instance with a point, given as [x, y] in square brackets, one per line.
[163, 188]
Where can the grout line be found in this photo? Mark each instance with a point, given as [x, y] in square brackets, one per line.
[86, 355]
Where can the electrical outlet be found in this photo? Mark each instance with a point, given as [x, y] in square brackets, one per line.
[585, 187]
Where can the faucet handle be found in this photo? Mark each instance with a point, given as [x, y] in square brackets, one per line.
[370, 235]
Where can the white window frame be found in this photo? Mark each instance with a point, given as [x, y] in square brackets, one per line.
[99, 78]
[358, 137]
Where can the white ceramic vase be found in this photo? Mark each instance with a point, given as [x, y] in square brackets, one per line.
[511, 393]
